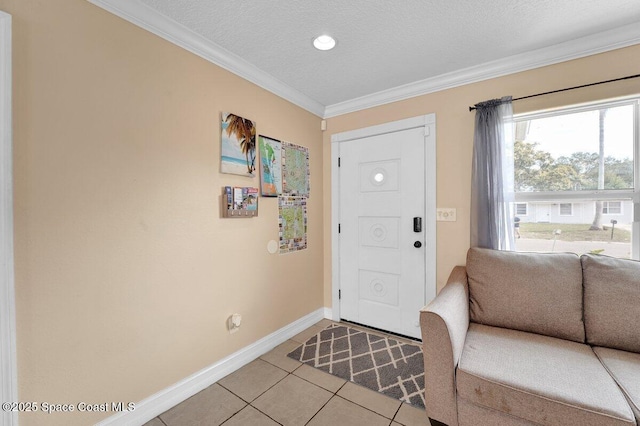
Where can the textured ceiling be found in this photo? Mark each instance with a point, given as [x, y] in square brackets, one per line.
[386, 44]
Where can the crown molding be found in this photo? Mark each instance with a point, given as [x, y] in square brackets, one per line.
[574, 49]
[145, 17]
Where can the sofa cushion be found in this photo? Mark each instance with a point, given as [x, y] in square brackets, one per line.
[536, 292]
[624, 367]
[537, 378]
[612, 302]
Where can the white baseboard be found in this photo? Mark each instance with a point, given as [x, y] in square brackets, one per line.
[328, 313]
[160, 402]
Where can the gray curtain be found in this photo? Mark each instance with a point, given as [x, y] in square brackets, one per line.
[492, 186]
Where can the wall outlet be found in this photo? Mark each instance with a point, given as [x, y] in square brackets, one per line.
[233, 322]
[446, 215]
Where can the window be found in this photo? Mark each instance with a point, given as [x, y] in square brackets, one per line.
[612, 207]
[585, 160]
[521, 209]
[566, 209]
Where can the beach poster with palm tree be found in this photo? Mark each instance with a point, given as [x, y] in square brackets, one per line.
[238, 152]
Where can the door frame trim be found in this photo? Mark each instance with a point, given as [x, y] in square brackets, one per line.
[429, 123]
[8, 364]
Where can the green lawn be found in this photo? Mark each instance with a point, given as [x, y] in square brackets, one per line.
[572, 232]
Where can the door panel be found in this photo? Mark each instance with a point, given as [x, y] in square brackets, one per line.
[379, 232]
[382, 188]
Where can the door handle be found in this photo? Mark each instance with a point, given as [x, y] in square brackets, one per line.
[417, 244]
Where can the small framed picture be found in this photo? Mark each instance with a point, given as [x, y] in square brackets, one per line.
[270, 166]
[238, 151]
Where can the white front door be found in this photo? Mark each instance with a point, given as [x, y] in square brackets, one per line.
[543, 213]
[383, 237]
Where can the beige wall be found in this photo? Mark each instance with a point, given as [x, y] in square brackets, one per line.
[455, 134]
[125, 272]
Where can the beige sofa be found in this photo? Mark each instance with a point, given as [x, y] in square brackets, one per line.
[534, 339]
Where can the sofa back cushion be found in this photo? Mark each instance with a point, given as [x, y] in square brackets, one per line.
[612, 302]
[536, 292]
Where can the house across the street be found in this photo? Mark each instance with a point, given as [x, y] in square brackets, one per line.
[575, 212]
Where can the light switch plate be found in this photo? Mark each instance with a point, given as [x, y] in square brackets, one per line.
[446, 215]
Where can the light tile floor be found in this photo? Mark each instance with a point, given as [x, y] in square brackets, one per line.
[277, 390]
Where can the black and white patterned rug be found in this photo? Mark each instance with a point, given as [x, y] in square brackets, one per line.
[383, 364]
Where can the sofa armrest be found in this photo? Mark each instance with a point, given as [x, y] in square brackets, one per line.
[444, 323]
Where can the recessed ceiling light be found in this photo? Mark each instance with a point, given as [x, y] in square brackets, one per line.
[324, 42]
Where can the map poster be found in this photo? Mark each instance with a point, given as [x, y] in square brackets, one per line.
[270, 166]
[292, 223]
[238, 152]
[295, 169]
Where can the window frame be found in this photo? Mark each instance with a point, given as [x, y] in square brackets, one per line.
[565, 214]
[595, 195]
[526, 209]
[608, 213]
